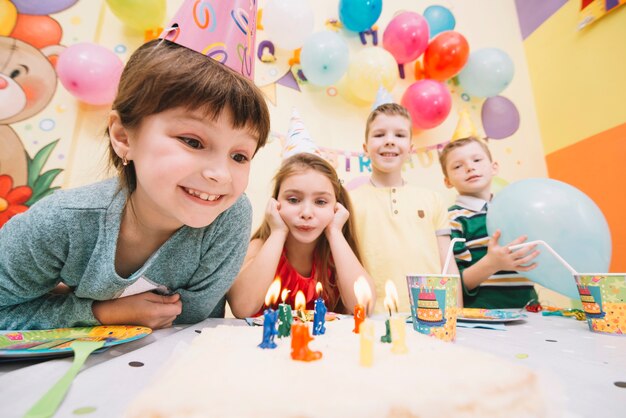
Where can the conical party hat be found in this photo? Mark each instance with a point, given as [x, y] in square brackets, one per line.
[382, 97]
[298, 138]
[464, 127]
[222, 30]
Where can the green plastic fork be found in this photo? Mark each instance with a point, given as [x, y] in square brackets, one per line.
[49, 403]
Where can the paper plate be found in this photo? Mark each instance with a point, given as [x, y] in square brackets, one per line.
[490, 315]
[56, 342]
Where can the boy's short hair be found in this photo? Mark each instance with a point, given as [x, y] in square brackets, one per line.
[389, 109]
[450, 146]
[162, 75]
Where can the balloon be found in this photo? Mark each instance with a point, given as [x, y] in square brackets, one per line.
[139, 14]
[8, 16]
[288, 23]
[445, 56]
[487, 72]
[359, 15]
[39, 7]
[439, 19]
[428, 102]
[39, 31]
[562, 216]
[90, 72]
[370, 68]
[324, 58]
[406, 37]
[500, 117]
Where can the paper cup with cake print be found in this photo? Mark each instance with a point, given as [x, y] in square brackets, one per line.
[603, 296]
[434, 304]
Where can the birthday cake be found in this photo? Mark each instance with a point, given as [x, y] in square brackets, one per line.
[428, 310]
[224, 374]
[590, 306]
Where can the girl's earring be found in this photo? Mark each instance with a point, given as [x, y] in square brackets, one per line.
[124, 161]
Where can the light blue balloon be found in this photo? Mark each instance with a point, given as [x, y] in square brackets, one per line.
[562, 216]
[439, 19]
[324, 58]
[359, 15]
[488, 71]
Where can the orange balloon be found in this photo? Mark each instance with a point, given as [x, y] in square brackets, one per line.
[445, 56]
[419, 70]
[38, 30]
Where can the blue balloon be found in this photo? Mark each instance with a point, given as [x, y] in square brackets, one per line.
[324, 58]
[359, 15]
[562, 216]
[439, 19]
[488, 71]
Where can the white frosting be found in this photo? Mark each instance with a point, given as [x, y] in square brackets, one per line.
[225, 374]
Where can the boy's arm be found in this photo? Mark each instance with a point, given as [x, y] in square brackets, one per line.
[499, 258]
[347, 265]
[247, 294]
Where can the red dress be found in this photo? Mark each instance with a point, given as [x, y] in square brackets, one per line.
[294, 281]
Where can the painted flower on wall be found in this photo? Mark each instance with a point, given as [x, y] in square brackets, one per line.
[12, 200]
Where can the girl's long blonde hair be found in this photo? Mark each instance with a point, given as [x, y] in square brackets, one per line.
[297, 164]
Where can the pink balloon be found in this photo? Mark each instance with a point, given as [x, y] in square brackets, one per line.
[90, 72]
[428, 102]
[406, 36]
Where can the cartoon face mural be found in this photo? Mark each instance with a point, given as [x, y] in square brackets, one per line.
[27, 83]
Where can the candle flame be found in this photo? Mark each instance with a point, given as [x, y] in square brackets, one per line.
[362, 291]
[391, 297]
[300, 301]
[283, 294]
[272, 293]
[318, 289]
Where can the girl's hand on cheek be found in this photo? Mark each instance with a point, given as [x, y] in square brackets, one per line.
[272, 214]
[339, 220]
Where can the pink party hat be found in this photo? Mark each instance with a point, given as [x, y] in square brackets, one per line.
[222, 30]
[298, 138]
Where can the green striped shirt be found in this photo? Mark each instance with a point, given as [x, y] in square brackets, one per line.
[504, 289]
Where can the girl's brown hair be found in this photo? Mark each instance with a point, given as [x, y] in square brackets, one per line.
[163, 75]
[297, 164]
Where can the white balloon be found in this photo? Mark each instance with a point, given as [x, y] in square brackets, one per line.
[288, 22]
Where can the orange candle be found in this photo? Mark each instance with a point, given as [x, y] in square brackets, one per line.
[300, 336]
[363, 295]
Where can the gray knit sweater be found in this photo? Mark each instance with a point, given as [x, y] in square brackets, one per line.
[71, 237]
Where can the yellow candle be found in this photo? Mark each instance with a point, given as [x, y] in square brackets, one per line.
[398, 334]
[367, 343]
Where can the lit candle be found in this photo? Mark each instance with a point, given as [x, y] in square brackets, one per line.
[300, 336]
[367, 343]
[363, 295]
[389, 302]
[284, 316]
[319, 318]
[396, 322]
[270, 316]
[300, 305]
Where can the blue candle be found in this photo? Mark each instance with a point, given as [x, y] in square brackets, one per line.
[319, 317]
[269, 328]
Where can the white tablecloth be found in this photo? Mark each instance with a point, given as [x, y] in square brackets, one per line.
[588, 365]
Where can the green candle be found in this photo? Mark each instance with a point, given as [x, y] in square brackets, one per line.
[284, 320]
[387, 337]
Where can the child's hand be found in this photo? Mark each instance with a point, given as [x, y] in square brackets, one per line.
[272, 215]
[339, 220]
[503, 258]
[146, 309]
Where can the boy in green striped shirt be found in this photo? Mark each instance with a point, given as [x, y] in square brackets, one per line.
[488, 269]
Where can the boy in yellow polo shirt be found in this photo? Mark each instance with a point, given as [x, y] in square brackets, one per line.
[402, 229]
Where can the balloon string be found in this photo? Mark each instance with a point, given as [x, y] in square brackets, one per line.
[554, 253]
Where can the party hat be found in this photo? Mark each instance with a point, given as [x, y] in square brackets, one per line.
[224, 31]
[464, 127]
[298, 138]
[382, 97]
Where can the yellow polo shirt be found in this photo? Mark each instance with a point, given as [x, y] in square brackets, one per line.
[397, 229]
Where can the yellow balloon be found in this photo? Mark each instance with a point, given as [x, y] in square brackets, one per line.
[139, 14]
[368, 70]
[8, 17]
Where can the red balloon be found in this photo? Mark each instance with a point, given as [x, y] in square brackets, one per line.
[445, 55]
[39, 31]
[428, 103]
